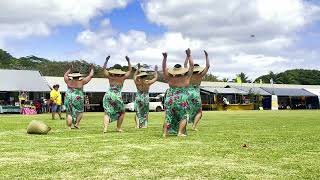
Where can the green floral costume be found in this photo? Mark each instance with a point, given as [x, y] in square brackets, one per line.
[194, 102]
[74, 103]
[112, 103]
[177, 107]
[141, 106]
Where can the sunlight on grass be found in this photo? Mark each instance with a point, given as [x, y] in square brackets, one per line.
[281, 144]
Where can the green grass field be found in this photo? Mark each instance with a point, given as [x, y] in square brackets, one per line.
[281, 145]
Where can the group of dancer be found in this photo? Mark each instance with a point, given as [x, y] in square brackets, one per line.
[182, 100]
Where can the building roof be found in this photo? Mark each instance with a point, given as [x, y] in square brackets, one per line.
[313, 91]
[102, 85]
[254, 90]
[288, 92]
[22, 80]
[232, 84]
[217, 90]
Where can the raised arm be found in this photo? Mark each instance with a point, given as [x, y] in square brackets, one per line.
[186, 62]
[204, 72]
[89, 77]
[164, 66]
[155, 76]
[66, 78]
[127, 75]
[190, 72]
[105, 71]
[136, 73]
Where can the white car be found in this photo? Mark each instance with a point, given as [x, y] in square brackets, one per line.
[154, 105]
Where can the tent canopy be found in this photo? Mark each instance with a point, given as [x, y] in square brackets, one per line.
[218, 90]
[288, 92]
[254, 90]
[102, 85]
[22, 80]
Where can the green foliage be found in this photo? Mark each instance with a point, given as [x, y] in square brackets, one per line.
[295, 76]
[210, 77]
[45, 66]
[243, 76]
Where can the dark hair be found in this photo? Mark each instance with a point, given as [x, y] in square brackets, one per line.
[177, 66]
[117, 66]
[196, 65]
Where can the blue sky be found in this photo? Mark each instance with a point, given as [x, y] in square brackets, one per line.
[287, 32]
[61, 43]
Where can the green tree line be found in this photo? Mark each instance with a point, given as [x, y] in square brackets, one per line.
[58, 68]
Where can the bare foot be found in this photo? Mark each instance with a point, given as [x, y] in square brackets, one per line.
[119, 130]
[181, 135]
[144, 127]
[194, 129]
[105, 130]
[164, 135]
[137, 127]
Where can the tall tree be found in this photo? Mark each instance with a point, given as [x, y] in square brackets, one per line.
[243, 77]
[210, 77]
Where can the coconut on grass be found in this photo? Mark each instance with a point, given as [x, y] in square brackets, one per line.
[37, 127]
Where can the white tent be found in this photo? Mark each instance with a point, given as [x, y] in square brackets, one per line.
[102, 85]
[22, 80]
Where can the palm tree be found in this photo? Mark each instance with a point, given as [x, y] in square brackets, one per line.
[243, 76]
[210, 77]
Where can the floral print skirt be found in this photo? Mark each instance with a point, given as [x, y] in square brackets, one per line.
[176, 107]
[141, 106]
[74, 103]
[194, 102]
[113, 103]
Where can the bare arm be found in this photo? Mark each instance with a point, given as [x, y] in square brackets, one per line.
[155, 76]
[66, 78]
[164, 66]
[105, 71]
[186, 62]
[204, 72]
[136, 73]
[190, 72]
[89, 77]
[129, 68]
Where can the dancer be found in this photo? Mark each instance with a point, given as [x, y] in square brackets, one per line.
[112, 101]
[74, 96]
[141, 104]
[176, 102]
[195, 103]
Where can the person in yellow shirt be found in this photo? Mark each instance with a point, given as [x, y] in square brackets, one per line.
[56, 100]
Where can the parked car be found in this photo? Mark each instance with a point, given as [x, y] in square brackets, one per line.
[154, 105]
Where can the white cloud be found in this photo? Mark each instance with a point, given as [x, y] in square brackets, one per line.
[223, 28]
[235, 19]
[19, 19]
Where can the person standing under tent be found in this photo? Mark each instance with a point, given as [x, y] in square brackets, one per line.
[195, 103]
[141, 103]
[74, 96]
[176, 102]
[55, 97]
[112, 100]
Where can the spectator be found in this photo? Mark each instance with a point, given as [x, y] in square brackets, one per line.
[55, 97]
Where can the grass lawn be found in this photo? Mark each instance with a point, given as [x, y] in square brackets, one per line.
[281, 145]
